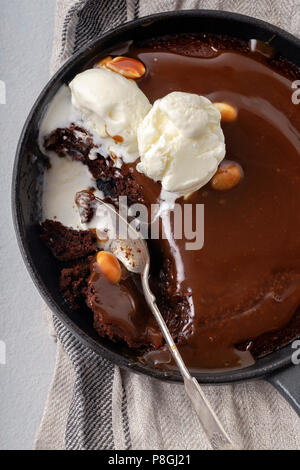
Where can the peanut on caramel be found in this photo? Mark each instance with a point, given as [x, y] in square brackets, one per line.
[126, 66]
[110, 266]
[227, 177]
[228, 112]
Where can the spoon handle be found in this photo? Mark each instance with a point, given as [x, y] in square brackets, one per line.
[215, 432]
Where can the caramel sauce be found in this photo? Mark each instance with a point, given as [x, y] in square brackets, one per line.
[122, 306]
[245, 281]
[117, 138]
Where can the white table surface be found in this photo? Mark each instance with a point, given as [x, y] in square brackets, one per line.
[26, 32]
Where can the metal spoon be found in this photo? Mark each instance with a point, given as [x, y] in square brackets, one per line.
[133, 253]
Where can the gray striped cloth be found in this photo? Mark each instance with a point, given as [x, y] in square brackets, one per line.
[92, 404]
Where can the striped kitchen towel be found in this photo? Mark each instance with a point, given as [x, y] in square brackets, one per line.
[93, 404]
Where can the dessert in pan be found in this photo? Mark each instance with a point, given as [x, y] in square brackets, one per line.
[188, 120]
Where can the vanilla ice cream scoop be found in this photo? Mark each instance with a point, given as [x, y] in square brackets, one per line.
[113, 107]
[181, 142]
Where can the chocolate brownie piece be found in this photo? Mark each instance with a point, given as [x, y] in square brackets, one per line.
[74, 141]
[66, 243]
[174, 308]
[274, 340]
[77, 143]
[73, 282]
[195, 45]
[117, 333]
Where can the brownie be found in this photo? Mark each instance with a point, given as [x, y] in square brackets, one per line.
[75, 249]
[74, 141]
[77, 143]
[73, 282]
[67, 244]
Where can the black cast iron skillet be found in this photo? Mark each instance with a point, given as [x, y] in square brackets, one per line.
[277, 367]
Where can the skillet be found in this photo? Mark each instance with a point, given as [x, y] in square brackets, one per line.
[277, 367]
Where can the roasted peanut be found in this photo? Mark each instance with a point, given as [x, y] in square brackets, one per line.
[227, 176]
[228, 112]
[110, 266]
[103, 62]
[126, 66]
